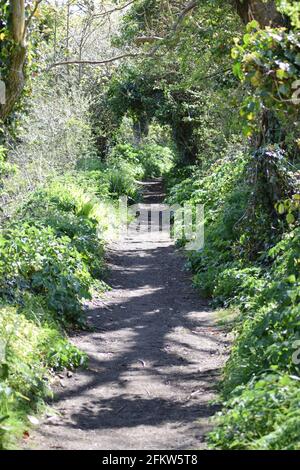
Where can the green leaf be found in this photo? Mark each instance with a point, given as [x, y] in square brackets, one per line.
[280, 208]
[284, 89]
[291, 279]
[290, 218]
[297, 59]
[246, 39]
[281, 74]
[237, 70]
[252, 25]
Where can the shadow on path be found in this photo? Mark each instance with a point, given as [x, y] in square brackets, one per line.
[155, 357]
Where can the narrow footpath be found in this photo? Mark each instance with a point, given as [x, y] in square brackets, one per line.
[155, 358]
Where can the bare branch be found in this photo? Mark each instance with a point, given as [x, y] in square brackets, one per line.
[95, 62]
[114, 10]
[143, 39]
[139, 40]
[32, 13]
[190, 6]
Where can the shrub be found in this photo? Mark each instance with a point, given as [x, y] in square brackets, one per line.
[34, 259]
[28, 348]
[250, 263]
[127, 164]
[271, 318]
[236, 284]
[262, 415]
[156, 160]
[51, 258]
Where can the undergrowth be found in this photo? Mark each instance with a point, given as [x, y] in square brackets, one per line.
[250, 265]
[51, 261]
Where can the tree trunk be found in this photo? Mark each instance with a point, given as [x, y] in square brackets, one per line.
[15, 78]
[264, 12]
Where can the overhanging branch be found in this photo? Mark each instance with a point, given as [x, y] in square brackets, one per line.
[114, 10]
[32, 13]
[96, 62]
[149, 39]
[190, 6]
[139, 40]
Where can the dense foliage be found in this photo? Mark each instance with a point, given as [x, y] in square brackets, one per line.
[208, 98]
[249, 186]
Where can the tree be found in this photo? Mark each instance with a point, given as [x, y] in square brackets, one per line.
[17, 19]
[265, 12]
[185, 79]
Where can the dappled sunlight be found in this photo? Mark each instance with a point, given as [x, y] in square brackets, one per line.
[150, 224]
[149, 367]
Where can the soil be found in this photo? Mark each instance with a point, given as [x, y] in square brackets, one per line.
[155, 356]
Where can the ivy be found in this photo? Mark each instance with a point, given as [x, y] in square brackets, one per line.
[268, 60]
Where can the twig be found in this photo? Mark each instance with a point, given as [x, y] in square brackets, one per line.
[33, 11]
[95, 62]
[110, 12]
[190, 6]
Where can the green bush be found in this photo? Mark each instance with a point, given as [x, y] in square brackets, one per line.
[127, 164]
[250, 264]
[122, 181]
[29, 347]
[34, 259]
[124, 170]
[156, 160]
[236, 284]
[51, 259]
[262, 415]
[271, 317]
[222, 191]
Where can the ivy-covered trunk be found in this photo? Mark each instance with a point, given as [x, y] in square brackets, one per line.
[264, 12]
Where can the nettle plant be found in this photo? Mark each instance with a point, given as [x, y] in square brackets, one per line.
[268, 60]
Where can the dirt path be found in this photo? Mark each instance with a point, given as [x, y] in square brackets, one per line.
[155, 356]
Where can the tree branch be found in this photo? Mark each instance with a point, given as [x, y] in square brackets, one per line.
[114, 10]
[33, 12]
[190, 6]
[143, 39]
[95, 62]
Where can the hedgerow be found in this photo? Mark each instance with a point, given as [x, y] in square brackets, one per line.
[51, 261]
[51, 258]
[261, 415]
[264, 288]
